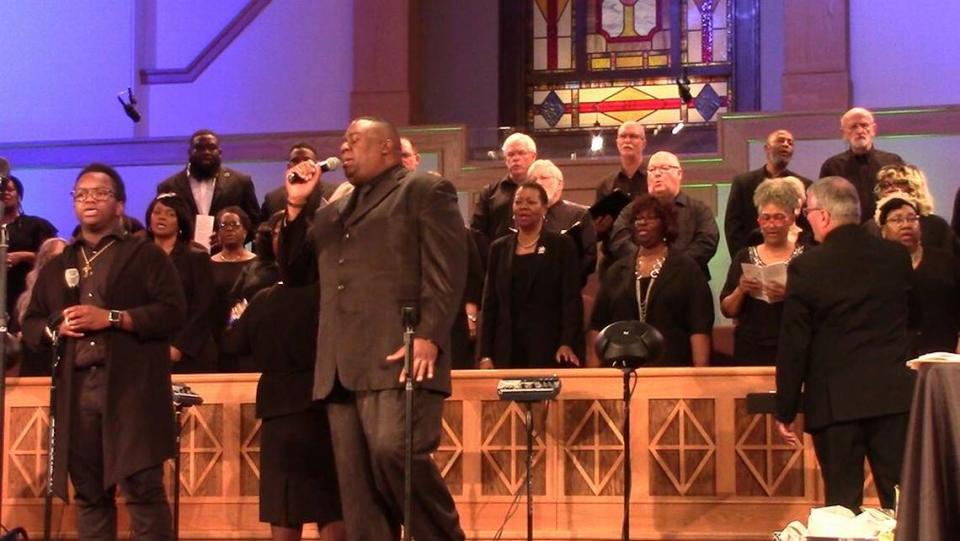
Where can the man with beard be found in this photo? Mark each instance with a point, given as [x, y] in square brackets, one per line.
[208, 186]
[861, 162]
[493, 215]
[740, 223]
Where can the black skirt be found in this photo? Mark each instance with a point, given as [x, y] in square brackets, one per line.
[298, 477]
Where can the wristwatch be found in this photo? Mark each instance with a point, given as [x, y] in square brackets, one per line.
[114, 318]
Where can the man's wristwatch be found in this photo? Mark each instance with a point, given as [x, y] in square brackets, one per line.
[113, 316]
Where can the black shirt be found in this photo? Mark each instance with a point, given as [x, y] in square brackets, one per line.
[938, 288]
[493, 215]
[633, 185]
[95, 263]
[861, 170]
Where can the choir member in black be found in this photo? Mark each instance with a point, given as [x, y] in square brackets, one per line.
[35, 361]
[566, 217]
[298, 476]
[910, 180]
[169, 224]
[231, 228]
[276, 199]
[26, 234]
[491, 217]
[532, 309]
[262, 272]
[658, 285]
[862, 160]
[630, 178]
[937, 272]
[121, 303]
[758, 320]
[463, 337]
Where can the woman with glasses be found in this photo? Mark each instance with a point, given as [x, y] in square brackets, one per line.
[937, 272]
[231, 227]
[170, 225]
[910, 180]
[758, 306]
[658, 285]
[532, 309]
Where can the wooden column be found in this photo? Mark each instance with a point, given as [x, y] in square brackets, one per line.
[381, 60]
[816, 71]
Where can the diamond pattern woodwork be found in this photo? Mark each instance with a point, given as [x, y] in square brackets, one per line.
[449, 455]
[683, 447]
[504, 448]
[766, 464]
[201, 450]
[593, 447]
[26, 470]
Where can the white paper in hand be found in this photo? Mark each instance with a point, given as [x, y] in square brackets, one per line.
[203, 230]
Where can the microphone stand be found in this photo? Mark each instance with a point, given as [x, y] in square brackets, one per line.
[52, 431]
[4, 247]
[627, 471]
[409, 321]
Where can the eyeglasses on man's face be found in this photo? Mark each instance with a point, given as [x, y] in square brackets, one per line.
[91, 194]
[809, 210]
[662, 169]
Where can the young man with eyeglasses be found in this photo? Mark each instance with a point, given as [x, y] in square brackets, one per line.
[115, 301]
[697, 234]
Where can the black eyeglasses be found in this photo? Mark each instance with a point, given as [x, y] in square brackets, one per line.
[92, 194]
[807, 211]
[230, 226]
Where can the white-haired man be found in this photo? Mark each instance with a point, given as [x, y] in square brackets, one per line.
[697, 233]
[493, 214]
[844, 340]
[566, 216]
[861, 161]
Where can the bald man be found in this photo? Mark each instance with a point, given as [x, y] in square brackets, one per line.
[697, 235]
[861, 161]
[740, 222]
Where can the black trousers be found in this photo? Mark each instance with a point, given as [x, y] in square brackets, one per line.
[150, 516]
[368, 443]
[841, 448]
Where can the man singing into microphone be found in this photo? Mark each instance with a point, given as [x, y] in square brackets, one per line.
[115, 301]
[398, 240]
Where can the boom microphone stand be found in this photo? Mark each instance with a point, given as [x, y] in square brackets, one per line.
[409, 317]
[4, 246]
[53, 331]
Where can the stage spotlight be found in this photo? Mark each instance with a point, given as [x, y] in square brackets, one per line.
[678, 128]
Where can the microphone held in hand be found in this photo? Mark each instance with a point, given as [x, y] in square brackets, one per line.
[330, 164]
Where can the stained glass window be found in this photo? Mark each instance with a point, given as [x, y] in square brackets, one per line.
[608, 61]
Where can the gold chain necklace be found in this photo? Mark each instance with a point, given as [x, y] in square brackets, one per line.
[87, 267]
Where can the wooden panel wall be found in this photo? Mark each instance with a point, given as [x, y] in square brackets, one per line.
[703, 468]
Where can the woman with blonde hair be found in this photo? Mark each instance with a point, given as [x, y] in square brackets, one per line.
[910, 180]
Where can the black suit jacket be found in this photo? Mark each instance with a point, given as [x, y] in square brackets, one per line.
[575, 220]
[403, 244]
[232, 188]
[861, 170]
[138, 424]
[493, 214]
[844, 336]
[551, 309]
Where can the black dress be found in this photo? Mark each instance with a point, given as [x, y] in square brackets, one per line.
[195, 340]
[679, 305]
[758, 325]
[298, 478]
[225, 275]
[938, 286]
[25, 234]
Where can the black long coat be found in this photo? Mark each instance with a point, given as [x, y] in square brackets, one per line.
[138, 425]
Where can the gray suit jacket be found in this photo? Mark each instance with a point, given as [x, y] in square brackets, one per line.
[403, 244]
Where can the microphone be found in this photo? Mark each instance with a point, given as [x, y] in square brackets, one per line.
[72, 277]
[330, 164]
[130, 108]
